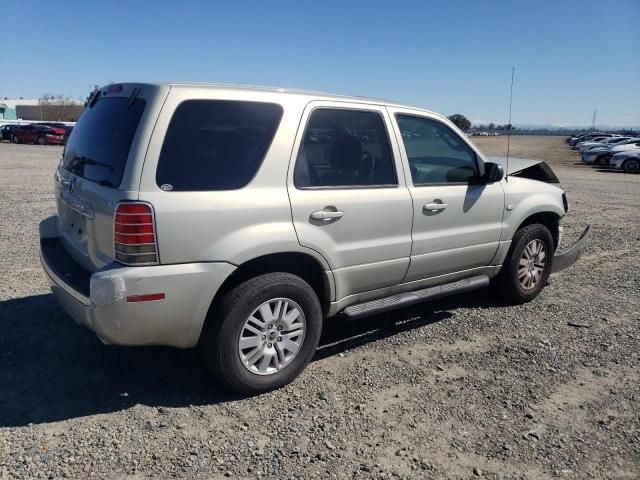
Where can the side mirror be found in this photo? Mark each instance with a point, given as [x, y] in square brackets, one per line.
[493, 172]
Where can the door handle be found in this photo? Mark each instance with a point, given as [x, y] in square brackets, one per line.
[324, 215]
[435, 206]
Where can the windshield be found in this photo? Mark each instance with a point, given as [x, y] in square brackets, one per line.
[99, 144]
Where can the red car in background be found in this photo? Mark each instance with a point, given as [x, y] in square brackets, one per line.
[40, 134]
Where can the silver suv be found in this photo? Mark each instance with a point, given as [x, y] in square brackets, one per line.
[236, 219]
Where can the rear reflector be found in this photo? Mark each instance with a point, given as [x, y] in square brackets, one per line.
[149, 297]
[134, 234]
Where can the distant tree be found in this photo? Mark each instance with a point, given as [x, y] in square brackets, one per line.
[491, 126]
[94, 89]
[57, 107]
[460, 121]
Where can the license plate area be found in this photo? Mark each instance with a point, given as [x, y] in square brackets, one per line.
[75, 226]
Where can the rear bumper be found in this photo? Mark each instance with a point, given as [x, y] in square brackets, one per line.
[98, 300]
[571, 256]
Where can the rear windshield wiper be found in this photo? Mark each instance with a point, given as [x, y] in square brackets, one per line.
[133, 96]
[94, 99]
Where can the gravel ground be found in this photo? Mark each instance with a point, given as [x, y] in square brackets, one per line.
[462, 388]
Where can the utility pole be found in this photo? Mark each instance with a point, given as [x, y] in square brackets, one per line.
[593, 120]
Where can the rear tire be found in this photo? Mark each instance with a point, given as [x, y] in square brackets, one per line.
[42, 141]
[248, 322]
[631, 166]
[15, 139]
[528, 264]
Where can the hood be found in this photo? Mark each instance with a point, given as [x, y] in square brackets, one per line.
[597, 150]
[625, 147]
[628, 153]
[526, 168]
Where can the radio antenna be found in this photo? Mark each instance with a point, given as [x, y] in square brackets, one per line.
[510, 127]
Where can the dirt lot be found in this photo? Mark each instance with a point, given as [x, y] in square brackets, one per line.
[460, 388]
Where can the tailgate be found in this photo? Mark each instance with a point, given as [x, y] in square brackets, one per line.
[101, 166]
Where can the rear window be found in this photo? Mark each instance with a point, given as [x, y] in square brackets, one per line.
[216, 144]
[99, 145]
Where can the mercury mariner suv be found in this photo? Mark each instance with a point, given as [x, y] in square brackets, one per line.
[236, 219]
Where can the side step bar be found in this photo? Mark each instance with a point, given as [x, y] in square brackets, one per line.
[417, 296]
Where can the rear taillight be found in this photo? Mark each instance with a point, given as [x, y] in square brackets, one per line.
[134, 234]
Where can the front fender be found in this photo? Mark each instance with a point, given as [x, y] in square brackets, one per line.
[526, 198]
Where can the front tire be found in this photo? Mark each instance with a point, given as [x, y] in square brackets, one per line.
[42, 141]
[528, 264]
[261, 335]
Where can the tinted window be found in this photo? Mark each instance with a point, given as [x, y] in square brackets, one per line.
[344, 148]
[99, 145]
[216, 144]
[436, 154]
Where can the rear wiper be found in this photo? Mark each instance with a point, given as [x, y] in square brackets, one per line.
[133, 96]
[94, 99]
[82, 161]
[106, 183]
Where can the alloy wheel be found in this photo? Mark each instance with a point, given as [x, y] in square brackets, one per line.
[532, 264]
[272, 336]
[631, 166]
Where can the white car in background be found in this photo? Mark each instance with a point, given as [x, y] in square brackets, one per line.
[578, 145]
[606, 142]
[602, 155]
[628, 161]
[586, 137]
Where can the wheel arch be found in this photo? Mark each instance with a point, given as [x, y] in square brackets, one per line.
[304, 265]
[551, 220]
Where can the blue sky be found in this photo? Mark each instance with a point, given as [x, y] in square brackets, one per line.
[452, 57]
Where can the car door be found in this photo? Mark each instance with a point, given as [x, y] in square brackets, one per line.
[457, 220]
[32, 134]
[348, 196]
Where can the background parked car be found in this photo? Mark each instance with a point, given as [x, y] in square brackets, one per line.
[599, 138]
[40, 134]
[67, 131]
[587, 137]
[5, 131]
[607, 141]
[601, 154]
[628, 161]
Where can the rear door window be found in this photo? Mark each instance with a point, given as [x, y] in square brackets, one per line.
[99, 144]
[216, 144]
[344, 148]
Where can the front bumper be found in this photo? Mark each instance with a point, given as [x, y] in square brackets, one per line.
[571, 256]
[101, 300]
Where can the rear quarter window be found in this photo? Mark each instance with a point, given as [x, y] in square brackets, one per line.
[216, 144]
